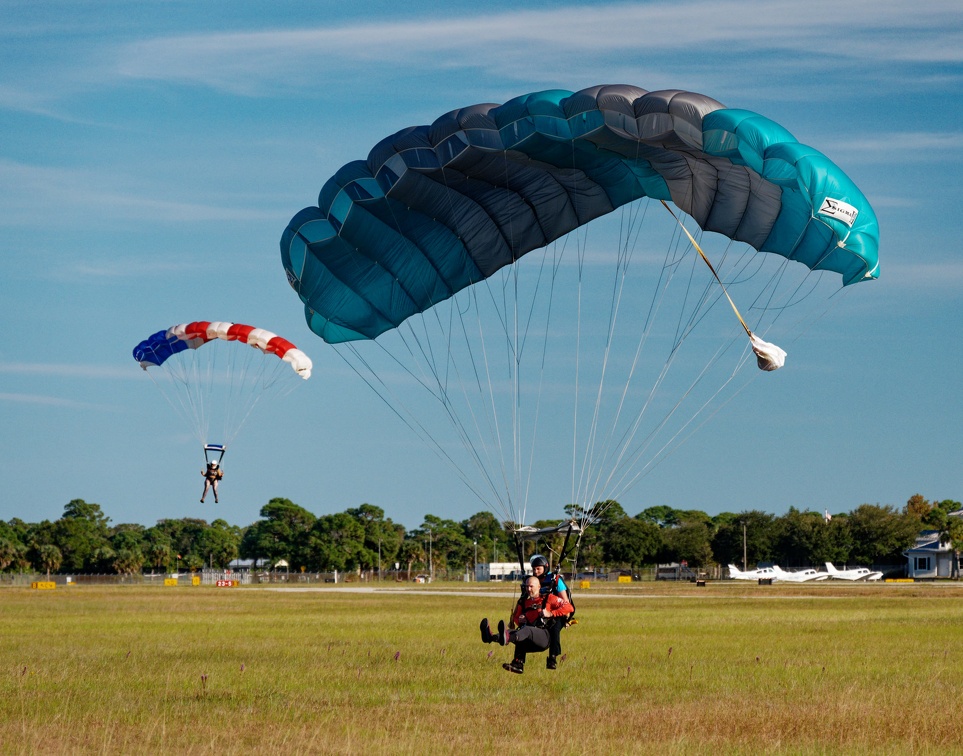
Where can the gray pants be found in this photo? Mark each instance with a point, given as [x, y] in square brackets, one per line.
[529, 639]
[208, 485]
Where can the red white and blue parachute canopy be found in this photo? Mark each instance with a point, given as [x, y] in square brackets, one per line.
[162, 345]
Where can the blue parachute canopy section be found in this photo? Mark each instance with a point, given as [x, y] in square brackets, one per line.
[156, 348]
[437, 208]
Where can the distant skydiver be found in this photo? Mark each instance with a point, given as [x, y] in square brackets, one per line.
[529, 624]
[212, 475]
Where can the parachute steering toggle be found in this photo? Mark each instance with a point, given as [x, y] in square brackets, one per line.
[769, 357]
[214, 453]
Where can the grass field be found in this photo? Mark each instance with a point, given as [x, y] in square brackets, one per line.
[651, 668]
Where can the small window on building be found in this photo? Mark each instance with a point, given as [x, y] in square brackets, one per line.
[922, 564]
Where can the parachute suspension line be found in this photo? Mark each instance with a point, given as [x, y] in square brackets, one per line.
[477, 453]
[515, 334]
[370, 376]
[639, 349]
[625, 479]
[516, 395]
[803, 290]
[508, 327]
[621, 474]
[584, 491]
[595, 452]
[514, 348]
[437, 387]
[663, 453]
[441, 381]
[580, 261]
[591, 464]
[258, 376]
[702, 254]
[628, 457]
[833, 300]
[553, 272]
[196, 386]
[623, 443]
[580, 267]
[523, 325]
[491, 398]
[184, 404]
[484, 466]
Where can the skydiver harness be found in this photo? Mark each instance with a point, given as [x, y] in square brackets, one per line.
[546, 589]
[540, 621]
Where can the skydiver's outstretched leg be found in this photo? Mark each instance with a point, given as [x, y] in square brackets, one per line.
[527, 639]
[486, 632]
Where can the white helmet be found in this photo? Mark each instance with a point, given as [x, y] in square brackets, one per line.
[213, 463]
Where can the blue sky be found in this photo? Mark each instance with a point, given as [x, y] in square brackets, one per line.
[152, 154]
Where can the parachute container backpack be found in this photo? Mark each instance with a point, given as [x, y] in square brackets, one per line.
[214, 373]
[506, 279]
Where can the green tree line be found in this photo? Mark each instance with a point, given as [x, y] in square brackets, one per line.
[363, 539]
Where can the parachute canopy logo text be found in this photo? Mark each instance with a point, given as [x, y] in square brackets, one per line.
[839, 210]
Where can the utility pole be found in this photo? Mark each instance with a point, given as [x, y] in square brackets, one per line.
[744, 568]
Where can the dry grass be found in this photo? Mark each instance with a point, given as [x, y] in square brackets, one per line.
[650, 669]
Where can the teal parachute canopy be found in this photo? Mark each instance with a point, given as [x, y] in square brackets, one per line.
[437, 208]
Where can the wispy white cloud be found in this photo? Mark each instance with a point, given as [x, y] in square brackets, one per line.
[872, 31]
[127, 268]
[35, 194]
[936, 275]
[49, 401]
[26, 101]
[67, 370]
[899, 147]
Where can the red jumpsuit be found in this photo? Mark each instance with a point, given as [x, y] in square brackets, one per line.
[531, 635]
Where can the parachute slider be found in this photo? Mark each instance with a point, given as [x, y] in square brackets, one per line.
[769, 357]
[528, 533]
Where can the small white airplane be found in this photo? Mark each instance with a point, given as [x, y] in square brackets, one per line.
[859, 573]
[802, 576]
[762, 573]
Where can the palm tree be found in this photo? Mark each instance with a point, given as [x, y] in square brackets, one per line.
[128, 561]
[8, 552]
[49, 558]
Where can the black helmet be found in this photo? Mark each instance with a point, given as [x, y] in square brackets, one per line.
[538, 561]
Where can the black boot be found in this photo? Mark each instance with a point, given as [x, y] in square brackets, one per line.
[516, 666]
[502, 637]
[486, 631]
[551, 663]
